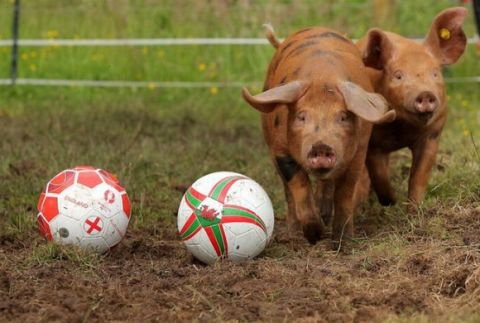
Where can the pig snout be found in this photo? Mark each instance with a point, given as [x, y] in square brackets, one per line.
[322, 157]
[426, 103]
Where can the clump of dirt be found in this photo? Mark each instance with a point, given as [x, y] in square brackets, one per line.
[472, 283]
[26, 168]
[453, 284]
[418, 265]
[4, 282]
[467, 223]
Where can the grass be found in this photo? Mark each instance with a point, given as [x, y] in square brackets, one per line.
[51, 252]
[154, 140]
[152, 19]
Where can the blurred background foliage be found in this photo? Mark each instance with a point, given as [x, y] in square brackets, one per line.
[85, 19]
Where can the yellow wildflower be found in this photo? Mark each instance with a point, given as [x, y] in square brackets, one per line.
[33, 54]
[33, 67]
[160, 54]
[202, 67]
[151, 85]
[145, 50]
[52, 34]
[24, 56]
[465, 132]
[214, 90]
[464, 103]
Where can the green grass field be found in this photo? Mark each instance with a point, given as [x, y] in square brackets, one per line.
[402, 268]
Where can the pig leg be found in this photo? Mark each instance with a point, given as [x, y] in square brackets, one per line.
[292, 220]
[344, 201]
[377, 164]
[305, 209]
[287, 168]
[347, 190]
[300, 199]
[363, 186]
[324, 198]
[423, 153]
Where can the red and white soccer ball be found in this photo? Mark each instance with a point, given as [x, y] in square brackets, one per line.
[84, 206]
[225, 215]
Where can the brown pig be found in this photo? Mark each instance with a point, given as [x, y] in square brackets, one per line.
[317, 114]
[408, 74]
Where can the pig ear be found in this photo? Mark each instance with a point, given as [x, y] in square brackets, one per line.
[267, 101]
[446, 39]
[378, 49]
[368, 106]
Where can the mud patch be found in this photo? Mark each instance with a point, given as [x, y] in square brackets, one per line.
[150, 276]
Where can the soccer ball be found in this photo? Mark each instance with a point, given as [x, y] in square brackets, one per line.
[225, 215]
[84, 206]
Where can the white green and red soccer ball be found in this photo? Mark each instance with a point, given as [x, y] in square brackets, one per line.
[225, 215]
[84, 206]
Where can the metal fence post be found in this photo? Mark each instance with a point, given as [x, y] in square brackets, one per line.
[476, 11]
[15, 29]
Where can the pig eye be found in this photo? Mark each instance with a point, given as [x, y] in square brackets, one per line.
[435, 74]
[301, 116]
[398, 75]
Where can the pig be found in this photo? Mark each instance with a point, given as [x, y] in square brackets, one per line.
[317, 111]
[408, 74]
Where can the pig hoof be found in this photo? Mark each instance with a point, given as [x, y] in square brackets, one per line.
[336, 245]
[341, 244]
[413, 208]
[340, 239]
[386, 201]
[293, 225]
[312, 232]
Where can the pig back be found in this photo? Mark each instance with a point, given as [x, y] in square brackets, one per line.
[318, 55]
[314, 53]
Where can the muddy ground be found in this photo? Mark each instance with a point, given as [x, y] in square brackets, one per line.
[150, 277]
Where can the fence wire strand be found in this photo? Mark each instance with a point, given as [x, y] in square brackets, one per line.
[127, 84]
[151, 42]
[163, 85]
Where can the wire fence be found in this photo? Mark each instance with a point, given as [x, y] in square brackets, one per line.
[152, 42]
[164, 85]
[15, 43]
[128, 84]
[155, 42]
